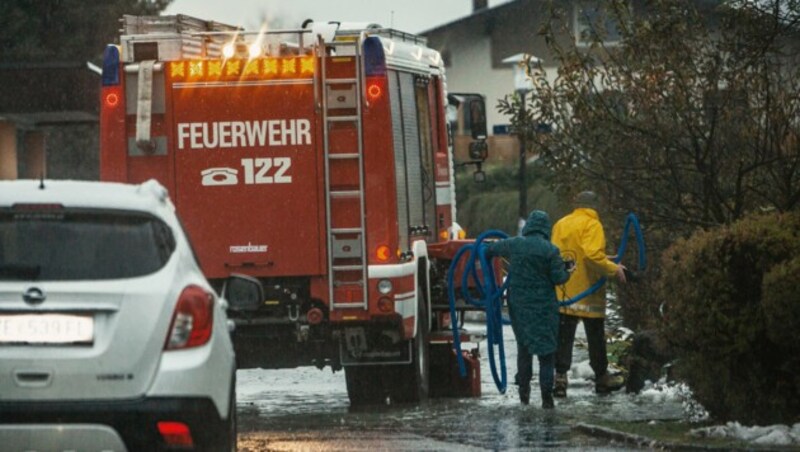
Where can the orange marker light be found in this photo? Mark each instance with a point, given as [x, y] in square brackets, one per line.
[233, 67]
[252, 67]
[214, 68]
[382, 253]
[177, 69]
[196, 68]
[307, 65]
[289, 66]
[270, 66]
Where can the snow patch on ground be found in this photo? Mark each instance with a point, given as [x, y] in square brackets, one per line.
[772, 435]
[581, 370]
[671, 391]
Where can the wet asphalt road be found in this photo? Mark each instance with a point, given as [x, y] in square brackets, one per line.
[307, 409]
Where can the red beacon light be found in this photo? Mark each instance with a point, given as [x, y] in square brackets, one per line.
[112, 99]
[374, 90]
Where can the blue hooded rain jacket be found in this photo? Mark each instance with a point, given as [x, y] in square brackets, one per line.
[536, 268]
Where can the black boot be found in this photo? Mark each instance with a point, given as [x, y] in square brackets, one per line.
[561, 385]
[547, 400]
[525, 394]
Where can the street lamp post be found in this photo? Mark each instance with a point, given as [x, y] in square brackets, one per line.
[522, 85]
[523, 161]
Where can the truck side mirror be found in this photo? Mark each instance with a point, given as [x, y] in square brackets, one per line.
[477, 117]
[478, 150]
[243, 293]
[467, 118]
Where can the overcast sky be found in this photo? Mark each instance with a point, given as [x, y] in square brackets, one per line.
[407, 15]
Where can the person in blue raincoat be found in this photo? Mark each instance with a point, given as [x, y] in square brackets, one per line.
[536, 267]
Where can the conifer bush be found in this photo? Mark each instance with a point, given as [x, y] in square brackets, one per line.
[733, 297]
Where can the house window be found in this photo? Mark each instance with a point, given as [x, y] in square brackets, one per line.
[594, 22]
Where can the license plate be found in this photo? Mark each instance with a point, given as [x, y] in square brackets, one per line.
[46, 328]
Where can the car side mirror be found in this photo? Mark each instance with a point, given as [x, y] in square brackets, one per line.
[243, 293]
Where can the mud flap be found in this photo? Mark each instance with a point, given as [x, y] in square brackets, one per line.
[400, 354]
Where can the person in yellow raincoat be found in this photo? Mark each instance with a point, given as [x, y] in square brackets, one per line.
[580, 237]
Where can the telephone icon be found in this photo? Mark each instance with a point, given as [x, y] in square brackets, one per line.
[219, 176]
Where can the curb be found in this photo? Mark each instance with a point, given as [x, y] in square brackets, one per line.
[638, 440]
[626, 438]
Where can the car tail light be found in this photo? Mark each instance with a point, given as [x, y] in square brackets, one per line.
[193, 319]
[175, 433]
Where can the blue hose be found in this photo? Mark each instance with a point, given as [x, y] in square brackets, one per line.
[630, 220]
[490, 299]
[490, 294]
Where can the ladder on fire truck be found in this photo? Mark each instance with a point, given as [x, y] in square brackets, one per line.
[345, 205]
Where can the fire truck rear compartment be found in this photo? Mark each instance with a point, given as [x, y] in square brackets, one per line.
[274, 162]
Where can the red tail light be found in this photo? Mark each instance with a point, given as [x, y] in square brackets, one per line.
[175, 433]
[193, 319]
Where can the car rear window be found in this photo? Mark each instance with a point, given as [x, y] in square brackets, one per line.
[68, 245]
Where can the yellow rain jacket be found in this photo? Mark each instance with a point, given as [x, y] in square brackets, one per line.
[580, 236]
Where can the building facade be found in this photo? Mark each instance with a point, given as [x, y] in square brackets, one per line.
[49, 120]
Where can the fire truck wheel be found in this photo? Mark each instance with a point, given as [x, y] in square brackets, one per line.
[365, 384]
[412, 382]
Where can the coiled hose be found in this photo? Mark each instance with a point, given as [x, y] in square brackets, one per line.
[489, 299]
[630, 221]
[490, 294]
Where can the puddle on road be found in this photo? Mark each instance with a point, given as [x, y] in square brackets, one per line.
[308, 409]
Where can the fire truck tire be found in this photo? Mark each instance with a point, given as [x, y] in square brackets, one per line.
[412, 382]
[365, 384]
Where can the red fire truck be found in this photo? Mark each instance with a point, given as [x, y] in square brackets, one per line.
[315, 160]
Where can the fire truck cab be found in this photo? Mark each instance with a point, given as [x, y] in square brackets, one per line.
[314, 160]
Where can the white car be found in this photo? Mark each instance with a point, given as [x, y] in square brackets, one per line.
[111, 339]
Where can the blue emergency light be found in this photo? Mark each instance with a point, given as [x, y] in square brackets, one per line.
[374, 58]
[110, 66]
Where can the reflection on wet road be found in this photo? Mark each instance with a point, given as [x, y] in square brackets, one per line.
[307, 409]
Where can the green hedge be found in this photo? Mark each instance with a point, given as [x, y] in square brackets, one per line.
[493, 204]
[733, 317]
